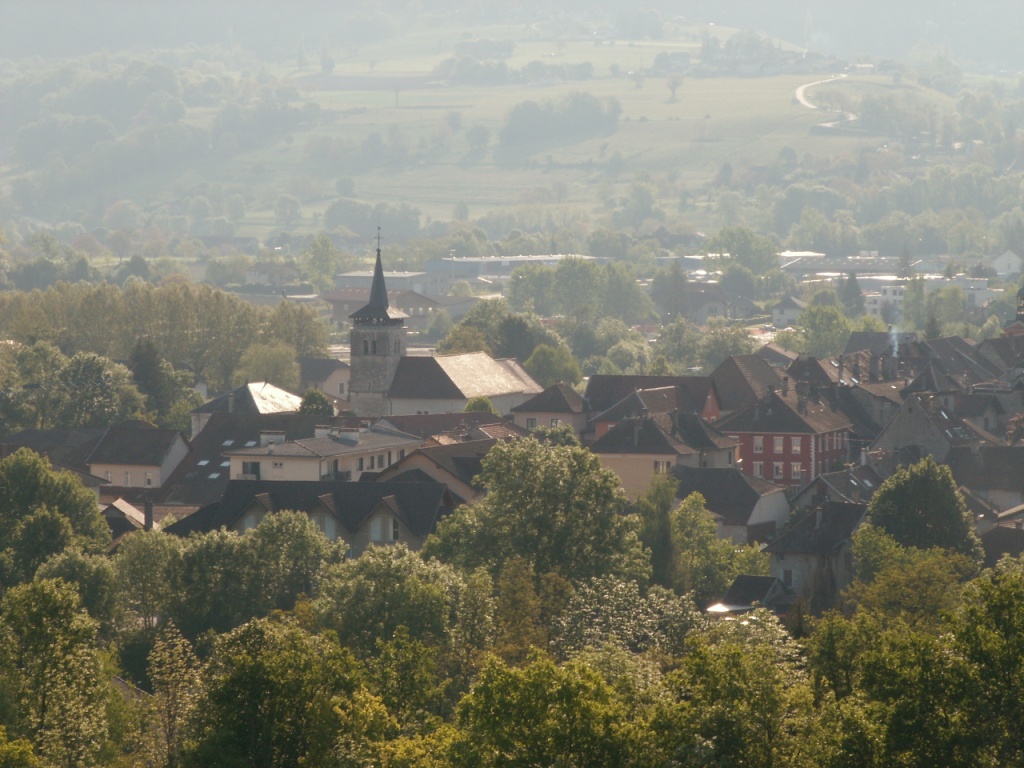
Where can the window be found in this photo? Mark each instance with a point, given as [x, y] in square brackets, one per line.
[730, 457]
[794, 444]
[758, 469]
[371, 461]
[778, 444]
[252, 469]
[278, 465]
[127, 479]
[555, 422]
[380, 461]
[373, 346]
[758, 444]
[110, 476]
[795, 470]
[389, 458]
[359, 464]
[661, 467]
[366, 347]
[149, 479]
[777, 470]
[531, 423]
[401, 454]
[787, 578]
[341, 389]
[396, 532]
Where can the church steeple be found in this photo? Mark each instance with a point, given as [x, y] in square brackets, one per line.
[377, 345]
[377, 310]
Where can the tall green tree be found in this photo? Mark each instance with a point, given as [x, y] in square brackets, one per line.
[550, 365]
[552, 505]
[921, 507]
[50, 667]
[826, 330]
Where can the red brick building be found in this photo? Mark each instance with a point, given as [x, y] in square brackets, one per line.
[790, 437]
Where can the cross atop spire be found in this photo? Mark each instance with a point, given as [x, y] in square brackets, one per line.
[377, 310]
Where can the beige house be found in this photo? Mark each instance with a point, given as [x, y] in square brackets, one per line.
[558, 404]
[455, 465]
[639, 449]
[136, 455]
[332, 454]
[327, 374]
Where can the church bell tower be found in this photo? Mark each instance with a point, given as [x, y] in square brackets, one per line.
[377, 344]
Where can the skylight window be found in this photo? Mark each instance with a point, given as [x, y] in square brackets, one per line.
[228, 442]
[250, 444]
[204, 462]
[214, 475]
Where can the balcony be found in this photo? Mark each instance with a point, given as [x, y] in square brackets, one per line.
[246, 476]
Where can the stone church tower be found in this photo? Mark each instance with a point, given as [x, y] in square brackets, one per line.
[377, 343]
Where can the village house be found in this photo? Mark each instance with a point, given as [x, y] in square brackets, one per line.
[257, 397]
[360, 514]
[814, 557]
[641, 448]
[745, 509]
[455, 465]
[329, 375]
[333, 453]
[787, 312]
[558, 404]
[791, 436]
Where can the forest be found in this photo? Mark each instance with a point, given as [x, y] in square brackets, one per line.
[550, 623]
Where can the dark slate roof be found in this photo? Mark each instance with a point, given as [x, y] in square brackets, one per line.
[204, 473]
[810, 369]
[604, 391]
[134, 445]
[640, 436]
[775, 355]
[1002, 540]
[429, 424]
[990, 467]
[727, 492]
[558, 398]
[790, 302]
[338, 444]
[877, 342]
[698, 434]
[785, 415]
[377, 308]
[1005, 352]
[422, 377]
[69, 447]
[742, 380]
[256, 397]
[855, 483]
[932, 378]
[746, 591]
[960, 358]
[820, 531]
[319, 368]
[418, 505]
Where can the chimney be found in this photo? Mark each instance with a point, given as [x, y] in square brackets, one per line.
[863, 457]
[271, 437]
[785, 386]
[817, 516]
[147, 516]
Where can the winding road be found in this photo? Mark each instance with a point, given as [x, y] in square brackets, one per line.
[801, 92]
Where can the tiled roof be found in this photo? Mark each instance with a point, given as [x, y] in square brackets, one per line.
[348, 442]
[728, 493]
[821, 530]
[459, 377]
[257, 397]
[639, 436]
[135, 446]
[786, 415]
[418, 505]
[775, 355]
[604, 391]
[429, 424]
[203, 474]
[319, 368]
[558, 398]
[742, 380]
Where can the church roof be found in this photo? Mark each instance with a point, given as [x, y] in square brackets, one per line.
[378, 309]
[451, 377]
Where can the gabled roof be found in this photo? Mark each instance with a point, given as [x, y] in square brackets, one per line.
[728, 493]
[256, 397]
[776, 355]
[558, 398]
[820, 531]
[429, 424]
[639, 436]
[931, 378]
[319, 368]
[877, 342]
[960, 359]
[790, 302]
[603, 391]
[742, 380]
[812, 370]
[418, 505]
[69, 447]
[746, 591]
[459, 377]
[854, 484]
[1005, 352]
[463, 461]
[135, 445]
[791, 414]
[204, 473]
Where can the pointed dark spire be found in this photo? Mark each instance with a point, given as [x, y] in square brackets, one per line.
[377, 310]
[378, 291]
